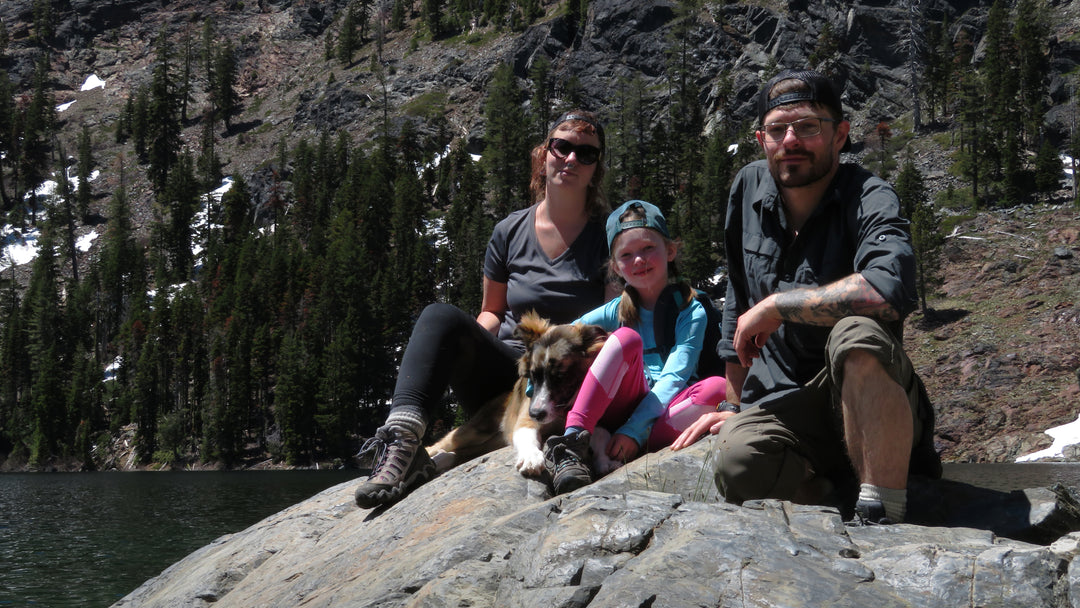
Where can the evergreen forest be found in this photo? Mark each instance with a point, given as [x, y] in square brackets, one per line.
[228, 334]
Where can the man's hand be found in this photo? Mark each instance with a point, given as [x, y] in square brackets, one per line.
[709, 422]
[622, 448]
[754, 328]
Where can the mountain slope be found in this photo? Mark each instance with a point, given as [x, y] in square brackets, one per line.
[1000, 352]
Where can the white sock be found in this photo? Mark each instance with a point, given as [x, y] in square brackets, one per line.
[894, 501]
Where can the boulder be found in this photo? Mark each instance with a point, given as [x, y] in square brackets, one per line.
[653, 533]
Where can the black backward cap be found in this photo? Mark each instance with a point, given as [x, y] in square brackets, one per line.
[819, 89]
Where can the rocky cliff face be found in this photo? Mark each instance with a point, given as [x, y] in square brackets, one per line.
[651, 534]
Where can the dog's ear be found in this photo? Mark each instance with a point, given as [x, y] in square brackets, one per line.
[531, 327]
[593, 337]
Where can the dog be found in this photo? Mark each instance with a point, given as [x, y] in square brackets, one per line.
[556, 359]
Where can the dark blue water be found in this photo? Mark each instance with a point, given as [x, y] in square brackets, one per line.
[88, 539]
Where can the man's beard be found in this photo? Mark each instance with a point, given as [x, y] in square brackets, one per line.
[797, 176]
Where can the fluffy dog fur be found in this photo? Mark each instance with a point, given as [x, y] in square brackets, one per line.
[556, 359]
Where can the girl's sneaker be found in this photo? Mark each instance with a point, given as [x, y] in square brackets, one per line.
[566, 459]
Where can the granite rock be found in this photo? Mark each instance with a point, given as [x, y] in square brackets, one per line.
[653, 533]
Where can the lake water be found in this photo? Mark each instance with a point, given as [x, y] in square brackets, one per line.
[88, 539]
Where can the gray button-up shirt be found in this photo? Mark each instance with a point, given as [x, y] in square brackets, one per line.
[856, 228]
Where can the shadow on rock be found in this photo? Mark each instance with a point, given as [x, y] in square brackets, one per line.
[1037, 515]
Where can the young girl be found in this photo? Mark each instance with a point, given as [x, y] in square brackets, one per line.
[631, 385]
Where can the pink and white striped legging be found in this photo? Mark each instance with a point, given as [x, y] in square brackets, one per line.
[615, 384]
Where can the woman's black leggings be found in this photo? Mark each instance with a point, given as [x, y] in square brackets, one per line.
[448, 348]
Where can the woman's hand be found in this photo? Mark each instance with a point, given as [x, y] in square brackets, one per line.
[709, 422]
[622, 448]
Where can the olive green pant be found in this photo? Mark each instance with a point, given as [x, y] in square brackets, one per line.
[768, 451]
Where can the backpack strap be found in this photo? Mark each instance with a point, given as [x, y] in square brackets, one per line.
[673, 299]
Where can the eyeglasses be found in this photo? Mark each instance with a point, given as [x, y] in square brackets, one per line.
[586, 154]
[804, 128]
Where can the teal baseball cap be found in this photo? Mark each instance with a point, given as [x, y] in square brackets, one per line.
[653, 219]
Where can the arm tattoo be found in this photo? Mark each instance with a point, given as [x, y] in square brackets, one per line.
[850, 296]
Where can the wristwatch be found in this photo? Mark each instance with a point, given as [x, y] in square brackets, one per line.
[727, 406]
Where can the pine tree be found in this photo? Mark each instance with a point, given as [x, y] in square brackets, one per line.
[187, 60]
[577, 12]
[348, 39]
[208, 54]
[506, 154]
[35, 127]
[208, 164]
[84, 407]
[531, 11]
[718, 170]
[119, 261]
[690, 213]
[226, 100]
[5, 39]
[998, 99]
[178, 204]
[85, 166]
[467, 230]
[363, 17]
[938, 62]
[397, 16]
[293, 403]
[411, 256]
[540, 75]
[1030, 39]
[1074, 154]
[44, 22]
[146, 399]
[163, 117]
[1048, 169]
[62, 214]
[7, 128]
[927, 241]
[926, 237]
[47, 350]
[190, 366]
[14, 364]
[140, 122]
[126, 121]
[236, 204]
[431, 11]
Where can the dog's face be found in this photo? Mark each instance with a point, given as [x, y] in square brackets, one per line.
[556, 360]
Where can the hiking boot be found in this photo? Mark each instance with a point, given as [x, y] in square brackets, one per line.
[870, 513]
[566, 459]
[401, 465]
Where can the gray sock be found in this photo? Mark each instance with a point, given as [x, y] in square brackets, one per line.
[894, 501]
[409, 419]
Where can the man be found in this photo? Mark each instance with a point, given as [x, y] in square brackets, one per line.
[821, 278]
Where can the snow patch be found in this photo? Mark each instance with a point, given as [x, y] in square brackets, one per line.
[1064, 435]
[92, 82]
[18, 247]
[84, 241]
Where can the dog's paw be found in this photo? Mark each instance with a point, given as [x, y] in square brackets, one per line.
[530, 462]
[444, 461]
[602, 465]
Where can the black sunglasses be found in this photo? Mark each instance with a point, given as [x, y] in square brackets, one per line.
[585, 153]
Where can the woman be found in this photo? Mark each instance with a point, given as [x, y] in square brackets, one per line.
[549, 257]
